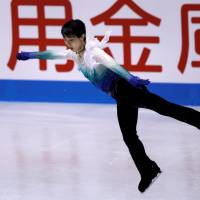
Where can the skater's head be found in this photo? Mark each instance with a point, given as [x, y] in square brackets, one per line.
[74, 34]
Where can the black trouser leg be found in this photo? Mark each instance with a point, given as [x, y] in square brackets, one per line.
[163, 107]
[127, 117]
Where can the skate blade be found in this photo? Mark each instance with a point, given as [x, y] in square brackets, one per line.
[153, 180]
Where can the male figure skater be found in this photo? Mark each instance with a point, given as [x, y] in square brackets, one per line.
[130, 92]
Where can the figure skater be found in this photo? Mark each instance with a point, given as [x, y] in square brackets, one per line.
[130, 92]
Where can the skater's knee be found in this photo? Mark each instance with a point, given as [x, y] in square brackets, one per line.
[130, 139]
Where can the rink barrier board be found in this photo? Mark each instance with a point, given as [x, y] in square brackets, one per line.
[85, 92]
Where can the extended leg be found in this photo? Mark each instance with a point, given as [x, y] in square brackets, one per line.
[164, 107]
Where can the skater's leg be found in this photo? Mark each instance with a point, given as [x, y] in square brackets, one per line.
[164, 107]
[127, 117]
[148, 169]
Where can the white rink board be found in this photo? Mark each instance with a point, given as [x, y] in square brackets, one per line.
[166, 53]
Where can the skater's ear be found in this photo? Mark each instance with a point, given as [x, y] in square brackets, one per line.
[83, 37]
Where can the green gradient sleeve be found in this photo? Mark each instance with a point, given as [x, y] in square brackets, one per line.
[52, 54]
[103, 58]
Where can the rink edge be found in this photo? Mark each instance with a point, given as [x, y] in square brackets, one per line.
[85, 92]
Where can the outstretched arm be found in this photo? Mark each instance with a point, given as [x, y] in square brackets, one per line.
[45, 55]
[105, 59]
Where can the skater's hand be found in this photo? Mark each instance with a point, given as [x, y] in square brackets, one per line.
[137, 82]
[25, 55]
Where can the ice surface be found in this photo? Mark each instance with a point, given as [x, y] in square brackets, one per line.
[76, 152]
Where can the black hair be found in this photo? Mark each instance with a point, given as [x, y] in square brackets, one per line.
[74, 27]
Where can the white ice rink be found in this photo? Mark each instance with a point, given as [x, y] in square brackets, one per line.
[76, 152]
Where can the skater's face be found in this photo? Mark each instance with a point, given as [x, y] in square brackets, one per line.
[75, 43]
